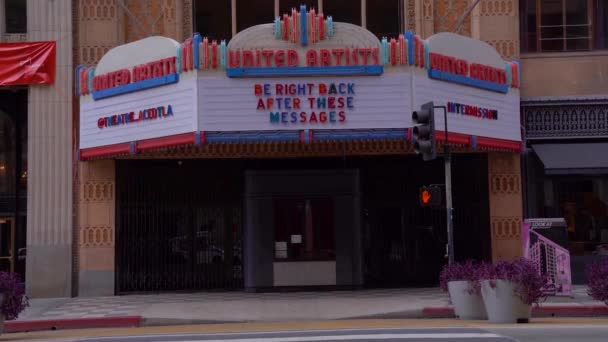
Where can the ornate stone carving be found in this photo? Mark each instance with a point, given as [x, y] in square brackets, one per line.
[96, 237]
[508, 49]
[93, 191]
[187, 18]
[497, 7]
[577, 120]
[427, 9]
[411, 15]
[90, 55]
[506, 228]
[505, 184]
[96, 10]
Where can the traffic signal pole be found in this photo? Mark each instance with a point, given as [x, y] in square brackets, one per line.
[447, 157]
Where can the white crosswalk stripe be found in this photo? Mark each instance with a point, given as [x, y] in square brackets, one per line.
[355, 337]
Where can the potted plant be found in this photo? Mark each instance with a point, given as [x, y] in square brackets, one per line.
[597, 280]
[510, 289]
[13, 299]
[462, 282]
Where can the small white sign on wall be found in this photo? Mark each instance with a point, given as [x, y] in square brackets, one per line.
[296, 239]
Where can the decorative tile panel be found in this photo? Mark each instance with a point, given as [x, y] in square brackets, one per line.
[556, 122]
[96, 237]
[93, 191]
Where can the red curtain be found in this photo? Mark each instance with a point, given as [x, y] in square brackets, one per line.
[27, 63]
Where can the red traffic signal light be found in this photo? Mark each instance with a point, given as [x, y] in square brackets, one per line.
[425, 196]
[430, 196]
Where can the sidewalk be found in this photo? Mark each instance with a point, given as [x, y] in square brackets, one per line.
[221, 307]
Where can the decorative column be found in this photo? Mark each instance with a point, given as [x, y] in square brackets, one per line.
[424, 18]
[49, 158]
[96, 225]
[505, 205]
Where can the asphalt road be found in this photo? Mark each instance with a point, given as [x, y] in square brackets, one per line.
[540, 330]
[584, 333]
[522, 333]
[360, 335]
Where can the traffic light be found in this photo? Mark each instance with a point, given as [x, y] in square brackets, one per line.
[424, 131]
[430, 196]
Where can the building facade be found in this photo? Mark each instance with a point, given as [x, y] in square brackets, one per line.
[178, 214]
[565, 113]
[36, 161]
[253, 206]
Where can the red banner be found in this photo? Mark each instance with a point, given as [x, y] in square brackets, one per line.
[27, 63]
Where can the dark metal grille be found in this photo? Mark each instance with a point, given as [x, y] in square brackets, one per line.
[404, 244]
[576, 121]
[178, 226]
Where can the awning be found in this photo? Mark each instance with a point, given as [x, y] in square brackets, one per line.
[573, 159]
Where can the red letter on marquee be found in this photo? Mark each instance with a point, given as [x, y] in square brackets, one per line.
[268, 57]
[279, 58]
[325, 57]
[292, 58]
[247, 58]
[258, 90]
[338, 55]
[234, 58]
[322, 89]
[311, 58]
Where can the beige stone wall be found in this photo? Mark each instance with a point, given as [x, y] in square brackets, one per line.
[494, 21]
[102, 25]
[505, 205]
[96, 226]
[564, 74]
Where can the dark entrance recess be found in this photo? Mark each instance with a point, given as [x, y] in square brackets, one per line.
[178, 226]
[13, 179]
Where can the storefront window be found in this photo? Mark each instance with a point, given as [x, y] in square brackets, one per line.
[213, 19]
[383, 17]
[345, 11]
[562, 25]
[304, 229]
[16, 16]
[13, 177]
[583, 203]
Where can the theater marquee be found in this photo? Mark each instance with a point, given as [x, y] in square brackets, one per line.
[301, 73]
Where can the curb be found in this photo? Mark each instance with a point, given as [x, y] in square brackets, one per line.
[72, 323]
[542, 311]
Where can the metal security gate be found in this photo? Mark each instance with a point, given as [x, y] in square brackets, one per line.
[178, 226]
[404, 244]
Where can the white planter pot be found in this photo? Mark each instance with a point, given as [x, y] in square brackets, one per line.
[466, 306]
[502, 304]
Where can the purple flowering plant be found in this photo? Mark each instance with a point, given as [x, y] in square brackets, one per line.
[529, 282]
[597, 279]
[14, 299]
[470, 271]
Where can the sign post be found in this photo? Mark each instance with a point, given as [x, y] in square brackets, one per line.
[448, 187]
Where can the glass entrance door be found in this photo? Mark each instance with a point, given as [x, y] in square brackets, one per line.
[7, 244]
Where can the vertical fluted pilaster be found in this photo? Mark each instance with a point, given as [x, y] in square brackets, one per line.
[49, 205]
